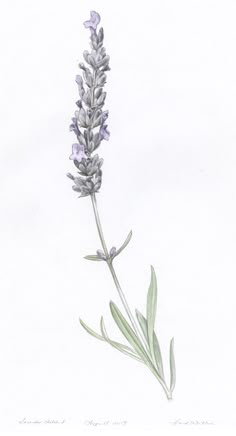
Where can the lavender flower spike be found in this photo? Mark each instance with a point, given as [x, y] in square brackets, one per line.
[89, 126]
[93, 22]
[77, 152]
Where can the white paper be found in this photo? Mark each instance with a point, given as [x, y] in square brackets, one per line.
[168, 174]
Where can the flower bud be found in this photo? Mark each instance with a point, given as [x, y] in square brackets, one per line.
[101, 255]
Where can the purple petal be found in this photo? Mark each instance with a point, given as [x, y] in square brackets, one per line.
[93, 22]
[104, 133]
[74, 127]
[77, 152]
[104, 116]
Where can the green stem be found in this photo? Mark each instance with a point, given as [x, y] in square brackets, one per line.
[111, 268]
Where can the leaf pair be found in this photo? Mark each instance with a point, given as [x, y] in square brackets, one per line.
[128, 332]
[148, 328]
[95, 257]
[104, 337]
[123, 348]
[157, 352]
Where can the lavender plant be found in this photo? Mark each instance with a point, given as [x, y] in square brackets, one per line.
[90, 128]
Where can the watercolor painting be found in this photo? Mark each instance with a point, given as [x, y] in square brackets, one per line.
[118, 227]
[90, 128]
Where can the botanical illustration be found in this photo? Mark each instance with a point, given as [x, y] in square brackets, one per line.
[90, 128]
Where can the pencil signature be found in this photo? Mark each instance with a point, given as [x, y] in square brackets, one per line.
[91, 422]
[192, 422]
[43, 421]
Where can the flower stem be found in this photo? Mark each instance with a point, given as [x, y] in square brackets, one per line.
[123, 299]
[111, 268]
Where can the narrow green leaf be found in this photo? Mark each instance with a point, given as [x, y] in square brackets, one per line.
[143, 323]
[124, 244]
[105, 335]
[172, 366]
[158, 357]
[90, 331]
[122, 348]
[92, 257]
[151, 309]
[157, 351]
[127, 331]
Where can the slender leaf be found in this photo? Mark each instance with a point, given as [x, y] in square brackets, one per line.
[96, 335]
[127, 331]
[125, 347]
[157, 351]
[172, 366]
[90, 331]
[158, 357]
[143, 323]
[151, 309]
[124, 244]
[92, 257]
[122, 348]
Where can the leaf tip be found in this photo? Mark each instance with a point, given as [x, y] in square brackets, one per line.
[137, 313]
[101, 324]
[111, 304]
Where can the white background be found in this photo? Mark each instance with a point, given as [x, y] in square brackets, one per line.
[169, 175]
